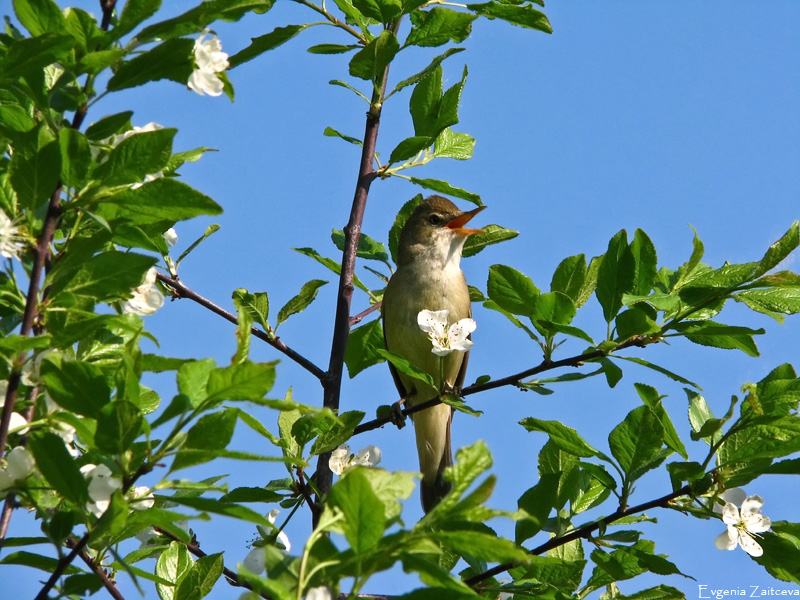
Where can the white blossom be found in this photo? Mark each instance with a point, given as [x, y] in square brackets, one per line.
[209, 60]
[171, 236]
[744, 525]
[141, 498]
[11, 240]
[254, 561]
[19, 466]
[282, 537]
[17, 423]
[342, 458]
[319, 593]
[445, 338]
[102, 485]
[147, 298]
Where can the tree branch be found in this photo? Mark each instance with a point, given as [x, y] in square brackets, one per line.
[182, 291]
[352, 233]
[582, 532]
[110, 586]
[545, 365]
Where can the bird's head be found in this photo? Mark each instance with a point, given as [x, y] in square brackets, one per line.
[435, 232]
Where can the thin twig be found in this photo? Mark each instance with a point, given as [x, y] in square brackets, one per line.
[182, 291]
[574, 361]
[582, 532]
[355, 320]
[61, 567]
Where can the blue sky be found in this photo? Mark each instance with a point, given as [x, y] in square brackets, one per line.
[630, 115]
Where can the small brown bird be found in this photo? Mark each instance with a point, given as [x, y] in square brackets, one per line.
[429, 277]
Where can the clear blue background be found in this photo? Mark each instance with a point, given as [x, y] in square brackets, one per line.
[631, 115]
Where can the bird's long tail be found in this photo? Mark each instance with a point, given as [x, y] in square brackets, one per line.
[432, 427]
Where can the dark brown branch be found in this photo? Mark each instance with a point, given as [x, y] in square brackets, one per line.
[182, 291]
[110, 586]
[63, 563]
[582, 532]
[352, 233]
[546, 365]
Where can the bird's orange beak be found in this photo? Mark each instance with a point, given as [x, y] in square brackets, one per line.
[457, 225]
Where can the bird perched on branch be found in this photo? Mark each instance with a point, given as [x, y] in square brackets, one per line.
[429, 278]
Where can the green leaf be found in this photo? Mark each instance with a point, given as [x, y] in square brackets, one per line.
[201, 16]
[94, 62]
[524, 16]
[246, 381]
[569, 277]
[439, 26]
[651, 398]
[370, 62]
[265, 43]
[35, 177]
[257, 305]
[169, 60]
[402, 365]
[349, 87]
[363, 511]
[779, 250]
[332, 48]
[172, 566]
[133, 13]
[301, 301]
[209, 231]
[659, 369]
[362, 347]
[330, 132]
[700, 416]
[719, 335]
[244, 325]
[634, 322]
[118, 425]
[562, 436]
[782, 300]
[409, 147]
[76, 157]
[490, 234]
[481, 546]
[339, 433]
[615, 275]
[450, 144]
[163, 200]
[637, 442]
[39, 16]
[29, 55]
[107, 276]
[511, 290]
[330, 264]
[424, 103]
[58, 467]
[781, 557]
[139, 155]
[76, 386]
[367, 247]
[445, 188]
[212, 431]
[200, 579]
[645, 261]
[381, 11]
[426, 71]
[537, 502]
[110, 125]
[43, 563]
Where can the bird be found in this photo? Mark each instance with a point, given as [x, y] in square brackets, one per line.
[429, 277]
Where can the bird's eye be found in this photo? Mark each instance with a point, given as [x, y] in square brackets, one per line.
[434, 219]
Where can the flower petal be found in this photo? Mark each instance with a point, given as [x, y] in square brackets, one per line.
[724, 542]
[750, 546]
[730, 514]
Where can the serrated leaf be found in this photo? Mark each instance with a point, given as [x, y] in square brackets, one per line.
[445, 188]
[164, 199]
[450, 144]
[615, 275]
[34, 177]
[522, 15]
[301, 301]
[637, 442]
[404, 366]
[367, 247]
[490, 234]
[363, 511]
[438, 26]
[256, 304]
[426, 71]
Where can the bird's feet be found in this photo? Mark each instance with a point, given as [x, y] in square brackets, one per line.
[396, 413]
